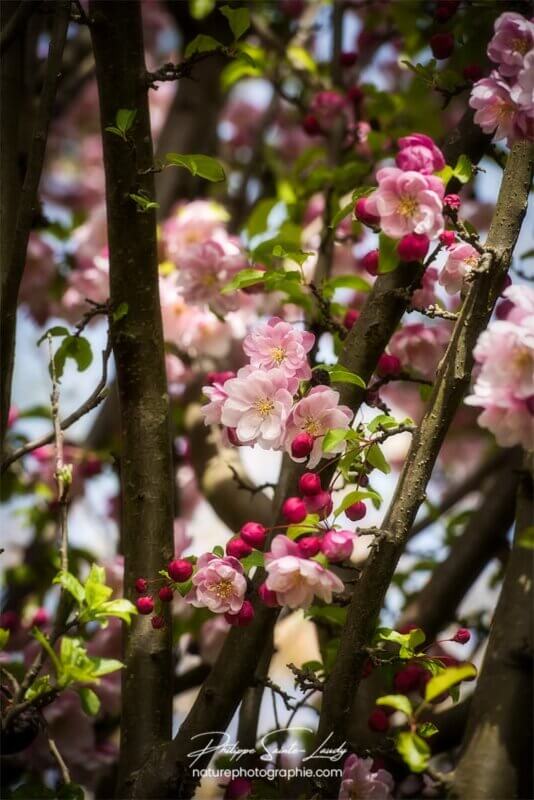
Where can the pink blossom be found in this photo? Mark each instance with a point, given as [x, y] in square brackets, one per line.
[191, 224]
[204, 269]
[218, 584]
[211, 638]
[360, 782]
[39, 272]
[407, 202]
[327, 106]
[496, 111]
[512, 40]
[522, 91]
[522, 308]
[280, 345]
[420, 347]
[462, 257]
[217, 396]
[296, 580]
[316, 414]
[258, 406]
[419, 153]
[504, 386]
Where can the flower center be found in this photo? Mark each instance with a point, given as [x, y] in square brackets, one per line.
[278, 354]
[223, 589]
[264, 406]
[209, 279]
[472, 261]
[523, 359]
[520, 46]
[407, 206]
[312, 427]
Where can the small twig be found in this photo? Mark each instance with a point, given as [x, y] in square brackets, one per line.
[402, 376]
[246, 486]
[306, 679]
[433, 311]
[94, 399]
[63, 473]
[275, 689]
[174, 72]
[65, 774]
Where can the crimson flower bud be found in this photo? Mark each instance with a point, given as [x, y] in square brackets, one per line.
[309, 546]
[447, 238]
[348, 58]
[145, 605]
[238, 548]
[40, 618]
[253, 533]
[362, 213]
[267, 596]
[166, 594]
[310, 125]
[220, 377]
[442, 45]
[378, 720]
[141, 585]
[356, 511]
[413, 247]
[370, 262]
[244, 616]
[452, 202]
[180, 570]
[310, 484]
[351, 315]
[473, 72]
[461, 636]
[388, 365]
[302, 445]
[294, 510]
[320, 503]
[238, 789]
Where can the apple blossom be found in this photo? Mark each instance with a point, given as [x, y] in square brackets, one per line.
[280, 345]
[419, 347]
[316, 414]
[512, 40]
[218, 584]
[361, 782]
[204, 269]
[407, 202]
[338, 545]
[461, 258]
[418, 152]
[297, 580]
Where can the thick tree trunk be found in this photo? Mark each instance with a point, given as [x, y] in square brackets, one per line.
[146, 462]
[497, 752]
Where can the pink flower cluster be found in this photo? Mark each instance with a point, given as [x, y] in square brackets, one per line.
[258, 404]
[504, 387]
[361, 781]
[504, 101]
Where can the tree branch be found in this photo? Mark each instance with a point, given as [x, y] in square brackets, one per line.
[451, 382]
[13, 269]
[146, 462]
[496, 759]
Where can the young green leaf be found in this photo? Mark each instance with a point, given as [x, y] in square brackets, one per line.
[40, 686]
[125, 119]
[414, 751]
[238, 19]
[201, 44]
[56, 330]
[4, 637]
[204, 166]
[334, 437]
[339, 374]
[75, 347]
[388, 258]
[447, 679]
[427, 729]
[246, 277]
[463, 169]
[89, 700]
[397, 701]
[348, 282]
[71, 584]
[376, 458]
[408, 642]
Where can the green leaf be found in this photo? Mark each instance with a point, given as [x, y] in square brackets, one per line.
[355, 497]
[340, 215]
[445, 174]
[414, 751]
[448, 678]
[526, 538]
[4, 637]
[407, 641]
[204, 166]
[308, 525]
[397, 701]
[201, 44]
[236, 70]
[56, 330]
[75, 347]
[257, 221]
[334, 437]
[218, 551]
[388, 258]
[120, 312]
[143, 202]
[246, 277]
[238, 19]
[90, 701]
[340, 374]
[40, 686]
[120, 608]
[70, 791]
[71, 584]
[125, 119]
[300, 58]
[376, 458]
[104, 666]
[254, 559]
[201, 8]
[382, 421]
[427, 729]
[463, 169]
[348, 282]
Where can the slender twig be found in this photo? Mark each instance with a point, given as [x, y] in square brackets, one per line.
[65, 774]
[94, 399]
[306, 679]
[433, 311]
[275, 689]
[174, 72]
[63, 473]
[245, 485]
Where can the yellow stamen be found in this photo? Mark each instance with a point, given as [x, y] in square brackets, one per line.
[223, 589]
[278, 354]
[407, 206]
[264, 406]
[312, 427]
